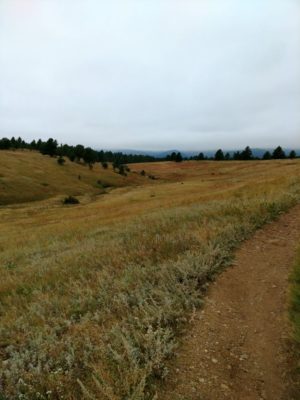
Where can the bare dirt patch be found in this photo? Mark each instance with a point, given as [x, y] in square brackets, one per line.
[238, 345]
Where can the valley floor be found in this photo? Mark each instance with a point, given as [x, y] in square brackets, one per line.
[238, 344]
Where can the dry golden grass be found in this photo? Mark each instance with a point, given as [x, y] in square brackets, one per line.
[93, 296]
[29, 176]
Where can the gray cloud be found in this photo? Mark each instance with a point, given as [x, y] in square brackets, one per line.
[160, 74]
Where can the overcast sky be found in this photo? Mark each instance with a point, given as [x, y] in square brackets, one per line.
[151, 74]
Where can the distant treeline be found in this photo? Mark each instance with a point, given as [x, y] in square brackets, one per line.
[90, 156]
[74, 153]
[247, 154]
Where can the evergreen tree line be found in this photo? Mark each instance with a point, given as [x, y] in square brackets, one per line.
[247, 154]
[90, 156]
[74, 153]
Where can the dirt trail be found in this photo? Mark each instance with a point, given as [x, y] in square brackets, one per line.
[237, 346]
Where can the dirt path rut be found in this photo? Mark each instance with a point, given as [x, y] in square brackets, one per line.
[237, 346]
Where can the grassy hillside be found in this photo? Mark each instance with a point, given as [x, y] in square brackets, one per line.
[30, 176]
[93, 297]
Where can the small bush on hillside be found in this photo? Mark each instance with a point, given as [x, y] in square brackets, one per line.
[122, 170]
[71, 200]
[143, 173]
[103, 184]
[104, 165]
[61, 161]
[71, 156]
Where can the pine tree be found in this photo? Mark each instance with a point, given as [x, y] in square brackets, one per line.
[267, 156]
[219, 156]
[178, 157]
[278, 153]
[292, 154]
[247, 154]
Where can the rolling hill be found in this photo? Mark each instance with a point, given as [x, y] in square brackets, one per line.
[30, 176]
